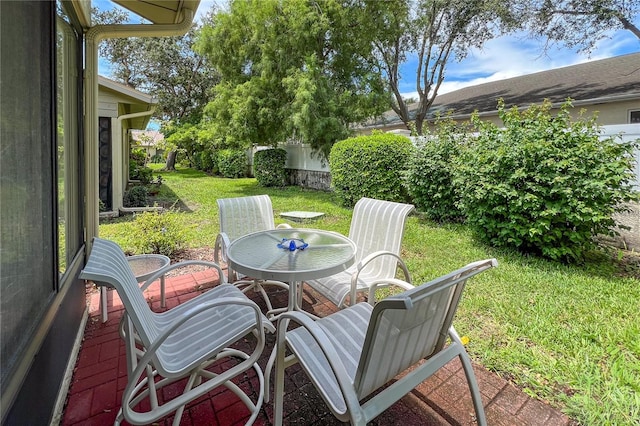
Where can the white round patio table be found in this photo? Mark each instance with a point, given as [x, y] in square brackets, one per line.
[293, 256]
[270, 255]
[145, 265]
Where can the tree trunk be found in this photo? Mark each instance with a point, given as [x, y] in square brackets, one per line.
[171, 161]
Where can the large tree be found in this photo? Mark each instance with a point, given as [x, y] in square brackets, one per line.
[578, 24]
[290, 69]
[434, 32]
[166, 67]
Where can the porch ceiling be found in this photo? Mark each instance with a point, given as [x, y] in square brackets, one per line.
[159, 11]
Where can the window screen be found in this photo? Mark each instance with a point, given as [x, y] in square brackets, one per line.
[27, 202]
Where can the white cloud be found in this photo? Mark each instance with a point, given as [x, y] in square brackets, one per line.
[516, 55]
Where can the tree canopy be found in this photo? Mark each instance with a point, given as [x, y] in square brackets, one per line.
[578, 24]
[308, 69]
[293, 69]
[169, 69]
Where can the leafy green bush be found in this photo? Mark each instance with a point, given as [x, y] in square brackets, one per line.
[232, 163]
[137, 169]
[431, 173]
[159, 232]
[544, 184]
[136, 196]
[268, 167]
[370, 166]
[143, 174]
[138, 157]
[206, 160]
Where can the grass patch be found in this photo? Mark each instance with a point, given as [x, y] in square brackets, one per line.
[565, 334]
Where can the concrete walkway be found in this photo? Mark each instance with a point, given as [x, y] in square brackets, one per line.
[99, 379]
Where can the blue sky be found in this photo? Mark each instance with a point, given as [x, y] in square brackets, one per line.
[516, 55]
[500, 58]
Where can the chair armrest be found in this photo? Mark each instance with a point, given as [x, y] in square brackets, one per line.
[371, 257]
[364, 262]
[220, 248]
[171, 267]
[387, 283]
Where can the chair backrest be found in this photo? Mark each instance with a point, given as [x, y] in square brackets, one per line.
[378, 225]
[410, 326]
[243, 215]
[108, 264]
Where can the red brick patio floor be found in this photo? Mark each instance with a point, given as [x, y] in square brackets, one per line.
[99, 378]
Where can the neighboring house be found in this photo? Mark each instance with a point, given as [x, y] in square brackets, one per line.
[610, 87]
[150, 141]
[49, 184]
[120, 110]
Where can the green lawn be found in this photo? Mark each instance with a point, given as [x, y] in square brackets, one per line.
[568, 335]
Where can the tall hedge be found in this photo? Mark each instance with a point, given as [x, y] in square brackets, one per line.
[370, 166]
[544, 183]
[268, 167]
[232, 163]
[432, 170]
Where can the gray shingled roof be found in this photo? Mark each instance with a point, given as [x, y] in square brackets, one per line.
[595, 81]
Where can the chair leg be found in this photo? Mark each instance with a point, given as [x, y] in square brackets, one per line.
[473, 387]
[278, 388]
[148, 388]
[103, 303]
[258, 287]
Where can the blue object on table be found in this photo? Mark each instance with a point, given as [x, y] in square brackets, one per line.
[291, 244]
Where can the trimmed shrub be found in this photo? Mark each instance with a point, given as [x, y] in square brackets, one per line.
[370, 166]
[268, 167]
[544, 184]
[136, 196]
[431, 173]
[159, 232]
[206, 160]
[232, 163]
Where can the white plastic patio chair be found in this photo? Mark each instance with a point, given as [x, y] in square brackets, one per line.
[240, 216]
[191, 341]
[352, 353]
[376, 228]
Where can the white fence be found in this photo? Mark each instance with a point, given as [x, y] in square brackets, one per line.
[308, 170]
[627, 132]
[301, 157]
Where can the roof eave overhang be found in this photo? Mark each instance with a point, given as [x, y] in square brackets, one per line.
[158, 12]
[126, 91]
[575, 103]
